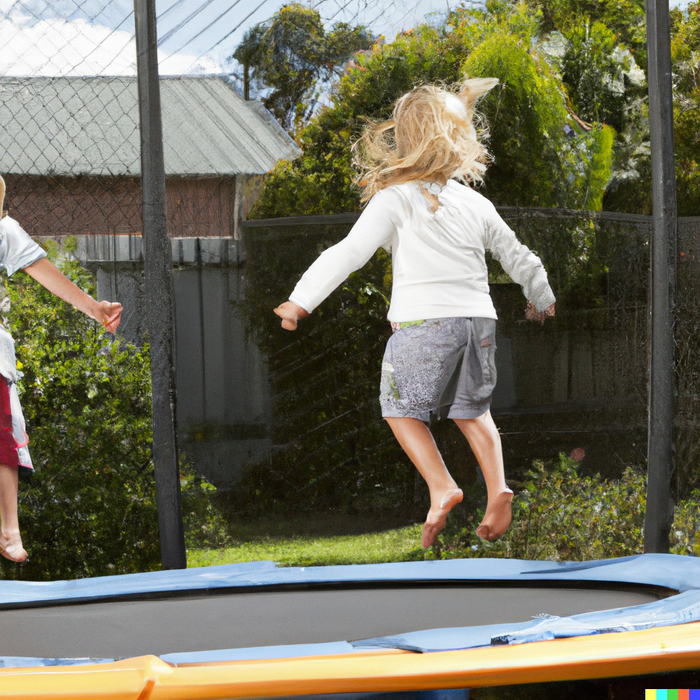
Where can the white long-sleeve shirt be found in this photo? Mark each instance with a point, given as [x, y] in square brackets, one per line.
[438, 259]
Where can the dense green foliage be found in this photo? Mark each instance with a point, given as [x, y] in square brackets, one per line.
[568, 123]
[625, 18]
[596, 73]
[542, 155]
[601, 79]
[89, 509]
[290, 54]
[685, 51]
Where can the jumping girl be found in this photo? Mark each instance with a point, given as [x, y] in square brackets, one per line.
[19, 252]
[440, 358]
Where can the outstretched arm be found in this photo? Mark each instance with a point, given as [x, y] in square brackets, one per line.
[374, 229]
[523, 266]
[48, 275]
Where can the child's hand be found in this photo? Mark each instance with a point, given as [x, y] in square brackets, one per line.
[531, 313]
[109, 314]
[290, 313]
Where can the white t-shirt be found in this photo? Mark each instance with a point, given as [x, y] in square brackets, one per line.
[17, 248]
[438, 259]
[17, 251]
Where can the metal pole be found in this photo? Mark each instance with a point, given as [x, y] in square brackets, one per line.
[659, 513]
[158, 272]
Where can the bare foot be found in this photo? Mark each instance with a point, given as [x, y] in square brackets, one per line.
[497, 517]
[437, 518]
[11, 547]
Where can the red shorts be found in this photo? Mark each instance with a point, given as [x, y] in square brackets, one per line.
[8, 444]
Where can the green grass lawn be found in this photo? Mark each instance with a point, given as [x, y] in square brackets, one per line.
[305, 545]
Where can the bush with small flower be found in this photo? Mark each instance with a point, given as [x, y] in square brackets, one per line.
[558, 514]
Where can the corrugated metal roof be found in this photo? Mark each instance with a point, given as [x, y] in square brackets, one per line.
[90, 126]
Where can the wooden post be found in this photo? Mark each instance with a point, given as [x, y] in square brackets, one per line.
[159, 291]
[663, 252]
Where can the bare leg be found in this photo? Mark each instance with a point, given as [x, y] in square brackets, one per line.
[10, 539]
[485, 442]
[418, 443]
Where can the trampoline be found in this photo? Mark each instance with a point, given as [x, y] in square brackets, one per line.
[258, 630]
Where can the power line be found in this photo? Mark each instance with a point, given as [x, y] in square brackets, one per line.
[188, 19]
[211, 48]
[341, 8]
[163, 14]
[95, 47]
[213, 22]
[349, 10]
[114, 31]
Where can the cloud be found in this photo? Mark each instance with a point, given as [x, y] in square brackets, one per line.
[109, 13]
[58, 47]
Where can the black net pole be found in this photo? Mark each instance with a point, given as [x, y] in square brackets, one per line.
[158, 272]
[659, 512]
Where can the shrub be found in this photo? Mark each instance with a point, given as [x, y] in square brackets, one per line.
[89, 509]
[542, 157]
[560, 515]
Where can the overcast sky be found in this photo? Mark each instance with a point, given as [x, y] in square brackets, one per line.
[95, 37]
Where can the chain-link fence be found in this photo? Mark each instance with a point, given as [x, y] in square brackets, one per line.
[70, 140]
[70, 155]
[70, 148]
[579, 381]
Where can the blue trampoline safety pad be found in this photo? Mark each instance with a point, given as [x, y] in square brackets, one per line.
[665, 570]
[680, 576]
[675, 610]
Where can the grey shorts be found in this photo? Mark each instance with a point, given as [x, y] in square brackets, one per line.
[441, 367]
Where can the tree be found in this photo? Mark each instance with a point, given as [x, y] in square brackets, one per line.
[543, 156]
[290, 54]
[685, 53]
[249, 54]
[626, 19]
[630, 187]
[596, 72]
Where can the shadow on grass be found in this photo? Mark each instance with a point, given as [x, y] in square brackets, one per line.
[309, 525]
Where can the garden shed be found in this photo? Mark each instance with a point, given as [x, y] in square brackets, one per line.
[72, 158]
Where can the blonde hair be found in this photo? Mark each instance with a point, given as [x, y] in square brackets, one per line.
[2, 197]
[431, 137]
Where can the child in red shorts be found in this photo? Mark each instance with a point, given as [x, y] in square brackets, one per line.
[19, 252]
